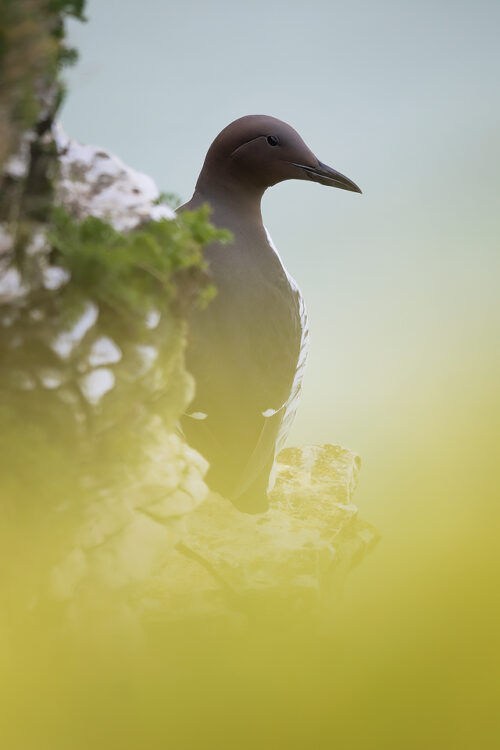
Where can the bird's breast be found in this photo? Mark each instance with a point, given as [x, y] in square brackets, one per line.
[246, 344]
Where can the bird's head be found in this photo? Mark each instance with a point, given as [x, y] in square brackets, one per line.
[259, 151]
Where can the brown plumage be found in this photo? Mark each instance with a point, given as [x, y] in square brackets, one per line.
[247, 349]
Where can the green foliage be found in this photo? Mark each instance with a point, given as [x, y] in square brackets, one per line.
[151, 267]
[32, 53]
[73, 8]
[64, 56]
[67, 56]
[168, 199]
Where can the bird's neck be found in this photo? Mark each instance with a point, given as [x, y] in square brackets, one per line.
[229, 198]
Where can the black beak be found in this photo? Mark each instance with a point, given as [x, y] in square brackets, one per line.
[328, 176]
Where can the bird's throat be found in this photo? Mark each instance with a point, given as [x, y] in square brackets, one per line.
[229, 200]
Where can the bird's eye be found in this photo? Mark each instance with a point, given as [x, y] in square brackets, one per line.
[273, 140]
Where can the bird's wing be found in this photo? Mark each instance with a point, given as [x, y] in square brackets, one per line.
[289, 408]
[248, 375]
[278, 422]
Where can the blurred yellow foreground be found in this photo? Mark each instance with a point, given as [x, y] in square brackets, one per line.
[410, 661]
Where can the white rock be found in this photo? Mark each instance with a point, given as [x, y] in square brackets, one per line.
[177, 503]
[66, 341]
[104, 351]
[152, 319]
[37, 243]
[54, 277]
[147, 356]
[50, 379]
[17, 165]
[131, 555]
[96, 384]
[94, 182]
[11, 285]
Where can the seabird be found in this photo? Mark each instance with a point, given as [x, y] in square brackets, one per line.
[247, 350]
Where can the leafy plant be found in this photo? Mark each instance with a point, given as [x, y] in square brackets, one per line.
[151, 267]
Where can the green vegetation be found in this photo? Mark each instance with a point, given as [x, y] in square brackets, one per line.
[159, 265]
[168, 199]
[32, 52]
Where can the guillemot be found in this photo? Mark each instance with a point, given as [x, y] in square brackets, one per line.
[247, 350]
